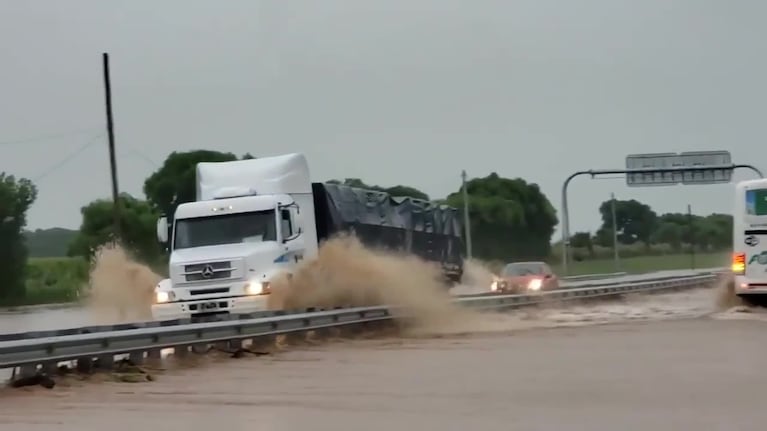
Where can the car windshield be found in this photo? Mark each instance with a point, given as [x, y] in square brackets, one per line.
[517, 269]
[254, 226]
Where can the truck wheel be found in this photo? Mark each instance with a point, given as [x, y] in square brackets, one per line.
[453, 280]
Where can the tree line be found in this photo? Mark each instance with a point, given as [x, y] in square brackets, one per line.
[638, 225]
[511, 219]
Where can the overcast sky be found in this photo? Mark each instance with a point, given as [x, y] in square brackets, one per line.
[390, 91]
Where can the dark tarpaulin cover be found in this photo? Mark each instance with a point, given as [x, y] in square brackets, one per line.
[428, 230]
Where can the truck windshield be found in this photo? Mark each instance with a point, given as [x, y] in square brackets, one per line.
[255, 226]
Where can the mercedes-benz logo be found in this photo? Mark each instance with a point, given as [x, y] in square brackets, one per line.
[207, 272]
[751, 240]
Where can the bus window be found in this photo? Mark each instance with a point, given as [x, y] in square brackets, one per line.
[756, 202]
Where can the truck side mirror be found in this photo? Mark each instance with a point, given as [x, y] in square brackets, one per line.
[162, 230]
[294, 236]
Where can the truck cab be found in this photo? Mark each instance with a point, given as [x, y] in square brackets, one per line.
[246, 227]
[254, 219]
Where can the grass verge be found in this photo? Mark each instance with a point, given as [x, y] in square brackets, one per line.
[52, 281]
[643, 264]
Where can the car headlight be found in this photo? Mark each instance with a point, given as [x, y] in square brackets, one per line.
[494, 286]
[535, 284]
[161, 296]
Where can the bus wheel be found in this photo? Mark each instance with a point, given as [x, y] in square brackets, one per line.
[754, 300]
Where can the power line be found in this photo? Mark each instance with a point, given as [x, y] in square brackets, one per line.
[139, 155]
[47, 137]
[68, 158]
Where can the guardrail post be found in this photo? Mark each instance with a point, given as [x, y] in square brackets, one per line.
[373, 326]
[235, 344]
[263, 341]
[27, 371]
[137, 358]
[322, 333]
[105, 362]
[351, 331]
[298, 337]
[50, 368]
[154, 354]
[84, 365]
[201, 347]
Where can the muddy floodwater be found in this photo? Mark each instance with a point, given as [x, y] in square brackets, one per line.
[698, 370]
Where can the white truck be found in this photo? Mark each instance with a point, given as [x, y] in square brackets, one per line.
[749, 258]
[254, 219]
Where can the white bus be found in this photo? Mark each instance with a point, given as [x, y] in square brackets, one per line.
[749, 258]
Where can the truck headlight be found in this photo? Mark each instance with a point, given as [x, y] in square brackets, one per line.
[257, 288]
[535, 284]
[161, 296]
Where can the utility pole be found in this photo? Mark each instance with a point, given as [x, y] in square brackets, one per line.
[691, 236]
[112, 161]
[466, 220]
[615, 234]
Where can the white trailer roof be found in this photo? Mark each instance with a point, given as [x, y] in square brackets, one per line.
[287, 173]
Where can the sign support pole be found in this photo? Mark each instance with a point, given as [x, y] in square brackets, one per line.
[598, 172]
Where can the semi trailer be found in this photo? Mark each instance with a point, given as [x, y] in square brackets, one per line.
[255, 219]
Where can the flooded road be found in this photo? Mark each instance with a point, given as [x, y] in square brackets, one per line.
[697, 374]
[44, 319]
[663, 361]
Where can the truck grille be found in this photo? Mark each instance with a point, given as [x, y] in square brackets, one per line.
[208, 271]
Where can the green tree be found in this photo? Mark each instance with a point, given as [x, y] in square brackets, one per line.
[397, 191]
[137, 223]
[53, 242]
[634, 220]
[721, 231]
[669, 233]
[676, 229]
[712, 232]
[675, 218]
[510, 218]
[582, 240]
[16, 197]
[176, 182]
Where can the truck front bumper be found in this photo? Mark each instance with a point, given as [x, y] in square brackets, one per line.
[190, 309]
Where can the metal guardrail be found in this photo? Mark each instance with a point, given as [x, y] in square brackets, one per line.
[47, 351]
[608, 282]
[588, 277]
[601, 281]
[593, 276]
